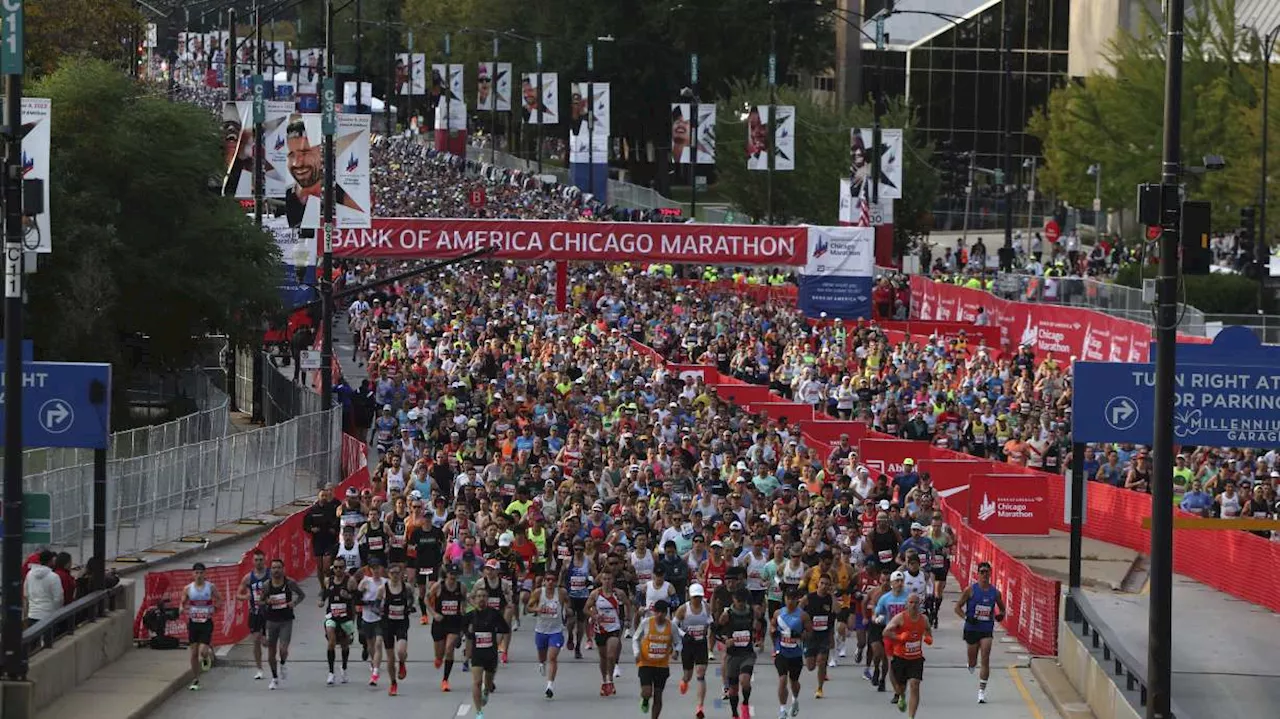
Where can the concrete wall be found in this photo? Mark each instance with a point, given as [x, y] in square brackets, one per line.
[73, 658]
[1089, 673]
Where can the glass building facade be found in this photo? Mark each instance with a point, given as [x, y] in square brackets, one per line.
[951, 72]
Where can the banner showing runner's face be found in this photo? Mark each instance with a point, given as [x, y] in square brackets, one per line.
[539, 109]
[309, 71]
[484, 85]
[304, 197]
[418, 74]
[758, 137]
[860, 160]
[589, 130]
[681, 133]
[403, 69]
[237, 140]
[706, 133]
[35, 164]
[784, 137]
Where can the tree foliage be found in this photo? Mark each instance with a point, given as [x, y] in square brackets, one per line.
[1117, 119]
[141, 246]
[811, 192]
[59, 29]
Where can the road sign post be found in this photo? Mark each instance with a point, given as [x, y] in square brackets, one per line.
[65, 404]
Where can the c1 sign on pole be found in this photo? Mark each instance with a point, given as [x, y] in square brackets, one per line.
[11, 45]
[259, 100]
[693, 69]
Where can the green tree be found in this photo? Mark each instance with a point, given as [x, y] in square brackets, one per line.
[59, 29]
[142, 248]
[1116, 118]
[811, 192]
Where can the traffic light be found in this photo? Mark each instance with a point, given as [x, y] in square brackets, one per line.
[1196, 254]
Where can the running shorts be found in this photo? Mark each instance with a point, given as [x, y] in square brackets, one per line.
[603, 637]
[394, 630]
[905, 669]
[736, 664]
[788, 666]
[347, 627]
[694, 654]
[440, 630]
[370, 630]
[579, 605]
[655, 677]
[818, 645]
[486, 659]
[875, 632]
[200, 633]
[257, 622]
[973, 636]
[281, 632]
[543, 642]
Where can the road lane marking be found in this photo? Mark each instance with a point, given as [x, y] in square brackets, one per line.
[1026, 695]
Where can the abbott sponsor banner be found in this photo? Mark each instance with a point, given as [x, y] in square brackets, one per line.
[860, 161]
[837, 276]
[493, 85]
[889, 456]
[351, 148]
[784, 137]
[36, 129]
[540, 240]
[1009, 504]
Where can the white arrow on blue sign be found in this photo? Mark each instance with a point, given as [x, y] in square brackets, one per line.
[1122, 413]
[64, 404]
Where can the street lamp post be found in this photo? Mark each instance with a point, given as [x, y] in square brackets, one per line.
[493, 106]
[591, 118]
[1095, 171]
[232, 80]
[537, 104]
[259, 169]
[1030, 163]
[1261, 243]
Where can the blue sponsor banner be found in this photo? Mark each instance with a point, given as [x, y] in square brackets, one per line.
[581, 176]
[308, 103]
[837, 276]
[297, 285]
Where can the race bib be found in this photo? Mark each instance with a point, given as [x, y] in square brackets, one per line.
[200, 614]
[697, 632]
[642, 577]
[449, 607]
[658, 649]
[278, 601]
[937, 561]
[425, 572]
[886, 556]
[820, 623]
[742, 638]
[577, 583]
[375, 544]
[494, 602]
[788, 642]
[484, 640]
[337, 610]
[913, 647]
[982, 612]
[714, 582]
[548, 610]
[397, 541]
[754, 574]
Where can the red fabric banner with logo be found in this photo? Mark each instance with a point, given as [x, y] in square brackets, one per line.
[1009, 504]
[540, 240]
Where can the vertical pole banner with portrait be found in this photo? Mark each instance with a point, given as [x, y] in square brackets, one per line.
[485, 72]
[595, 122]
[837, 276]
[276, 179]
[757, 142]
[36, 138]
[681, 133]
[309, 71]
[784, 137]
[860, 155]
[403, 73]
[502, 87]
[237, 139]
[351, 180]
[550, 98]
[418, 74]
[298, 259]
[707, 133]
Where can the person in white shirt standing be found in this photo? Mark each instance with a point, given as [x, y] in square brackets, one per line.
[42, 590]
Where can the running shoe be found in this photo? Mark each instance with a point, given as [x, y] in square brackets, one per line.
[444, 685]
[644, 702]
[880, 686]
[257, 677]
[744, 712]
[817, 694]
[831, 662]
[206, 661]
[782, 713]
[195, 686]
[982, 696]
[550, 693]
[466, 665]
[402, 671]
[577, 653]
[902, 704]
[284, 672]
[699, 714]
[438, 662]
[617, 672]
[373, 678]
[971, 668]
[424, 621]
[503, 656]
[842, 653]
[684, 687]
[857, 656]
[866, 674]
[329, 681]
[795, 707]
[342, 676]
[275, 684]
[393, 689]
[542, 669]
[479, 714]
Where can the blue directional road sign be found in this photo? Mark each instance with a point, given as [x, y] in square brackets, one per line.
[65, 404]
[1218, 405]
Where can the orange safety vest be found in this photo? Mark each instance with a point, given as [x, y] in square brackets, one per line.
[909, 643]
[655, 645]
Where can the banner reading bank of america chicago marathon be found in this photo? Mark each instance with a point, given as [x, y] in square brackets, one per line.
[541, 240]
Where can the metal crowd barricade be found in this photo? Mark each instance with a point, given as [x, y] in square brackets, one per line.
[1074, 291]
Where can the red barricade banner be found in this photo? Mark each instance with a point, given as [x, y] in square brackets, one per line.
[746, 393]
[790, 411]
[951, 476]
[886, 456]
[990, 335]
[1009, 504]
[542, 240]
[830, 431]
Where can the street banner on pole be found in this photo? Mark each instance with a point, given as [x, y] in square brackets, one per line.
[707, 133]
[596, 122]
[860, 155]
[784, 137]
[418, 74]
[837, 276]
[351, 147]
[758, 137]
[35, 163]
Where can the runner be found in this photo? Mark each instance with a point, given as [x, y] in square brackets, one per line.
[980, 606]
[321, 522]
[396, 601]
[653, 644]
[789, 625]
[427, 541]
[250, 590]
[604, 606]
[642, 562]
[348, 550]
[655, 589]
[549, 605]
[943, 539]
[446, 601]
[577, 575]
[279, 596]
[371, 617]
[485, 626]
[890, 604]
[497, 596]
[818, 609]
[868, 581]
[339, 603]
[908, 632]
[844, 585]
[692, 620]
[739, 625]
[200, 601]
[914, 579]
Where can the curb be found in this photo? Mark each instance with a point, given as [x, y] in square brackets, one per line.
[154, 701]
[1054, 683]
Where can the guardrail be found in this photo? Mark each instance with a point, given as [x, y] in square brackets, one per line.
[67, 619]
[1127, 671]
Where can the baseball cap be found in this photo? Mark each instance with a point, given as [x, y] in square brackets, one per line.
[984, 566]
[493, 564]
[917, 527]
[717, 543]
[735, 527]
[505, 539]
[896, 576]
[386, 408]
[697, 591]
[884, 505]
[908, 462]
